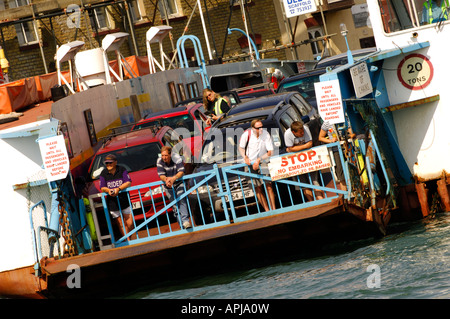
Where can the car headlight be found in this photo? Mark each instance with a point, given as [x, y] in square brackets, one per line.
[203, 189]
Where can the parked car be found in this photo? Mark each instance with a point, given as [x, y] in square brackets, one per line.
[255, 91]
[304, 84]
[188, 121]
[341, 59]
[137, 152]
[308, 114]
[276, 118]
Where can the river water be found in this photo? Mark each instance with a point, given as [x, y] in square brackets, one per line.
[412, 261]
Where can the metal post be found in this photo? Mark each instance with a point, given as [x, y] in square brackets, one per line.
[136, 51]
[246, 28]
[39, 41]
[204, 29]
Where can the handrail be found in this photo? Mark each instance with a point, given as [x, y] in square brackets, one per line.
[385, 174]
[200, 59]
[218, 197]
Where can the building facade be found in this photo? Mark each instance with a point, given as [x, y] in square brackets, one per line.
[32, 30]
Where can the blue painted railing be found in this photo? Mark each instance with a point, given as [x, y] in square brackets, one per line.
[208, 194]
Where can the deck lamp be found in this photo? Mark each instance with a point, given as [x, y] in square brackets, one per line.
[344, 33]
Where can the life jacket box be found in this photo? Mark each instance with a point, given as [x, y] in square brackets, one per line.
[58, 92]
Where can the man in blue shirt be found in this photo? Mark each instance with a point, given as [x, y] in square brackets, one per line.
[434, 12]
[170, 169]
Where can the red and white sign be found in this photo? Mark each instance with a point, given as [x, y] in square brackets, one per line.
[329, 101]
[311, 160]
[415, 71]
[54, 156]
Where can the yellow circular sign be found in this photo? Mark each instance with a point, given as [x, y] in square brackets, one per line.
[415, 71]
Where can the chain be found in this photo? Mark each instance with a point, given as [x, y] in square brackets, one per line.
[69, 247]
[435, 205]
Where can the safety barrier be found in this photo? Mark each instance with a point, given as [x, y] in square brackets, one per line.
[226, 194]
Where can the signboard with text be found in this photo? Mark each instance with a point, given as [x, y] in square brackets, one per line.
[415, 71]
[295, 8]
[54, 156]
[329, 101]
[311, 160]
[361, 80]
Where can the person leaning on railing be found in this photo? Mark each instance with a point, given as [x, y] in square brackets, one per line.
[329, 135]
[298, 138]
[114, 179]
[170, 169]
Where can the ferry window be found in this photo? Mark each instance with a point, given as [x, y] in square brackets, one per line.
[432, 11]
[395, 15]
[405, 14]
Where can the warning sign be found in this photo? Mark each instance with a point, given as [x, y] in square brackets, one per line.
[54, 156]
[361, 80]
[299, 163]
[329, 101]
[415, 71]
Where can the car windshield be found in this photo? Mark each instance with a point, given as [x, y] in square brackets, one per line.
[133, 159]
[305, 86]
[184, 121]
[221, 146]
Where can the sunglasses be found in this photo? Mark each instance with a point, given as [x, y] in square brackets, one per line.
[109, 163]
[257, 128]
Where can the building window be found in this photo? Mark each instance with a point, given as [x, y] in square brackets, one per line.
[25, 31]
[137, 10]
[99, 19]
[171, 6]
[318, 46]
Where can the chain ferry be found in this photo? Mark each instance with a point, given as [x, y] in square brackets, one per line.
[58, 241]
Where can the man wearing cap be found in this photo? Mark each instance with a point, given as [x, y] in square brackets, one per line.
[113, 180]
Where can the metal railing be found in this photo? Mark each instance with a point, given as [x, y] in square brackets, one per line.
[218, 197]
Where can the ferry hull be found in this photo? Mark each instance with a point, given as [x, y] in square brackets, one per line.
[242, 245]
[22, 283]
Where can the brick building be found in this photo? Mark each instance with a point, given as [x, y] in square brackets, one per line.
[25, 24]
[31, 30]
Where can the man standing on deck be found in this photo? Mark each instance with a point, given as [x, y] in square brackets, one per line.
[170, 169]
[256, 146]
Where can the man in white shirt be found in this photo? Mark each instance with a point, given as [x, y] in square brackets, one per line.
[256, 146]
[298, 138]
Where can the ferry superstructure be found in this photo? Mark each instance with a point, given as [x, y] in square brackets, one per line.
[408, 100]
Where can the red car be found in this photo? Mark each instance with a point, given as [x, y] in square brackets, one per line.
[137, 152]
[188, 121]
